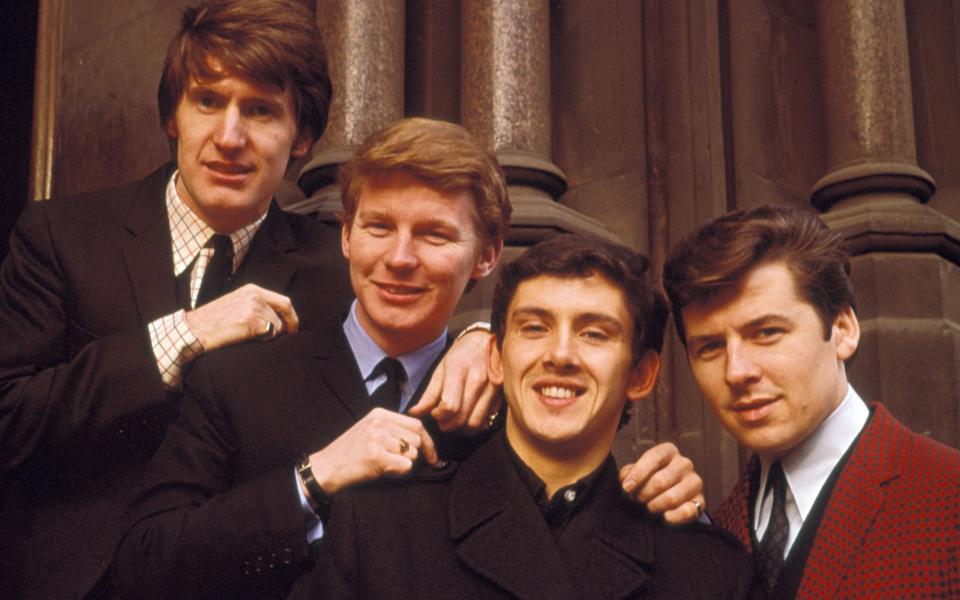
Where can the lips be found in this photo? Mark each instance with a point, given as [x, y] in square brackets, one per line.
[558, 393]
[754, 410]
[228, 171]
[398, 292]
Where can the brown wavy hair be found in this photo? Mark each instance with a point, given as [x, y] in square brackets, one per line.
[272, 42]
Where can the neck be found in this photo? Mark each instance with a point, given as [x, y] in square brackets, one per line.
[557, 464]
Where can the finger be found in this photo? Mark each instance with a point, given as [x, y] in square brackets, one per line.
[431, 395]
[289, 321]
[446, 410]
[685, 513]
[675, 496]
[484, 410]
[425, 445]
[635, 478]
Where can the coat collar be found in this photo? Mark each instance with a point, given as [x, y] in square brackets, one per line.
[877, 458]
[605, 551]
[146, 248]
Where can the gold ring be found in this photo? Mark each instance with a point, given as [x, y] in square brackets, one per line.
[268, 330]
[404, 446]
[699, 507]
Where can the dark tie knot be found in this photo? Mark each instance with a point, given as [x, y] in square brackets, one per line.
[388, 395]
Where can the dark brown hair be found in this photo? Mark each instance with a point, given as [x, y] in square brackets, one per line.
[443, 155]
[271, 42]
[719, 254]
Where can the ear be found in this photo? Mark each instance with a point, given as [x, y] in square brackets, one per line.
[170, 128]
[643, 376]
[302, 144]
[489, 255]
[846, 333]
[345, 240]
[494, 362]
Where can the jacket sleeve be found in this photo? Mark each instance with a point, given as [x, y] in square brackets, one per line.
[194, 531]
[65, 390]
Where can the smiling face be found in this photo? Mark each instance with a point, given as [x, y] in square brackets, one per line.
[234, 140]
[566, 368]
[412, 250]
[759, 355]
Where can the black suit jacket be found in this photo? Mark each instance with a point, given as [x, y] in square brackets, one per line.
[219, 514]
[82, 405]
[475, 532]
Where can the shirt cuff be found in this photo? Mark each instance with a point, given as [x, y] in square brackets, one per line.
[314, 523]
[174, 346]
[478, 326]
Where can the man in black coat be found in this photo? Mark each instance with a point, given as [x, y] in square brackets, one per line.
[537, 511]
[105, 298]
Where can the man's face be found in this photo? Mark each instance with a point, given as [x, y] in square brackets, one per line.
[565, 366]
[759, 355]
[412, 250]
[234, 140]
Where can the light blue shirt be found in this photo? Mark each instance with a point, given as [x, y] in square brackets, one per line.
[368, 354]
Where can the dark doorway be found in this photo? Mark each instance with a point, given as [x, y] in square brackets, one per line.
[18, 48]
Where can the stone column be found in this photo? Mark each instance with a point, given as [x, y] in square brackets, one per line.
[505, 100]
[365, 48]
[875, 193]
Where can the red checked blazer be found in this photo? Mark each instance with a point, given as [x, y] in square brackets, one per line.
[891, 528]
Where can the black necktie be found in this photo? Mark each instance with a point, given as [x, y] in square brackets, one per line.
[778, 529]
[217, 274]
[388, 395]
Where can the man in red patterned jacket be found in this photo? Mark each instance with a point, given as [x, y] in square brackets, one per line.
[841, 500]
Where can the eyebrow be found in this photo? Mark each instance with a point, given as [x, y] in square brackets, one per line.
[767, 319]
[582, 318]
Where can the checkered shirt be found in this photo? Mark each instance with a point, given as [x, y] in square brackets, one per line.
[174, 344]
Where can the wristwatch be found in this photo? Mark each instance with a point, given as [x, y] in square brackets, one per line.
[316, 497]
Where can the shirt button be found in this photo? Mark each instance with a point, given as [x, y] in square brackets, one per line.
[570, 495]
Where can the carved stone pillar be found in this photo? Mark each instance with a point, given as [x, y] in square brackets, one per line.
[874, 192]
[365, 48]
[505, 100]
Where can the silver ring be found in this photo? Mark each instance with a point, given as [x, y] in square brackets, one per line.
[699, 507]
[404, 446]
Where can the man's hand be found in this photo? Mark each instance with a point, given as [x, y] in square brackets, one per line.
[460, 393]
[245, 313]
[665, 481]
[381, 443]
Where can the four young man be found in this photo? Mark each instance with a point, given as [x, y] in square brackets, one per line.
[106, 298]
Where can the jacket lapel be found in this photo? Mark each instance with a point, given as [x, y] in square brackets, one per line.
[854, 504]
[609, 545]
[338, 369]
[499, 532]
[147, 249]
[266, 262]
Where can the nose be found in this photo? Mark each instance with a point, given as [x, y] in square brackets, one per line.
[401, 255]
[562, 356]
[740, 366]
[232, 132]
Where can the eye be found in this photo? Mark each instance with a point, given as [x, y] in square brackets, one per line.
[708, 350]
[377, 228]
[596, 335]
[532, 328]
[207, 101]
[769, 334]
[262, 110]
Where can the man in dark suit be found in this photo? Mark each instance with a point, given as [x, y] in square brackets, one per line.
[239, 489]
[537, 511]
[840, 499]
[106, 297]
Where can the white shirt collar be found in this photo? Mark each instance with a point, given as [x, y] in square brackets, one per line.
[808, 466]
[189, 233]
